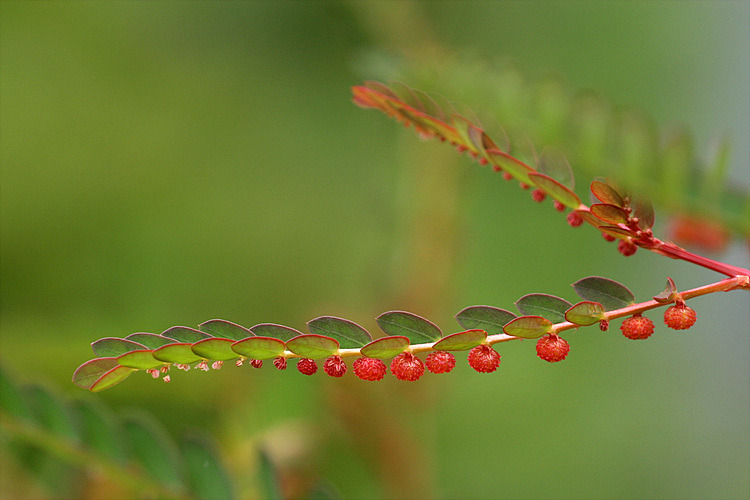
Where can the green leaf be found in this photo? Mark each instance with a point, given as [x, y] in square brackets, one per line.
[556, 190]
[510, 164]
[417, 329]
[644, 210]
[275, 331]
[206, 475]
[153, 449]
[11, 399]
[259, 347]
[610, 214]
[112, 347]
[615, 231]
[609, 293]
[349, 334]
[488, 318]
[547, 306]
[142, 360]
[461, 341]
[606, 194]
[225, 329]
[386, 347]
[100, 430]
[313, 346]
[214, 348]
[90, 371]
[462, 126]
[585, 313]
[554, 165]
[181, 353]
[112, 377]
[184, 334]
[528, 327]
[150, 340]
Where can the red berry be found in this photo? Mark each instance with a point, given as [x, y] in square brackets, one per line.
[552, 348]
[574, 220]
[334, 366]
[280, 362]
[406, 366]
[369, 368]
[637, 327]
[608, 237]
[440, 362]
[523, 185]
[307, 366]
[256, 363]
[627, 248]
[484, 359]
[558, 206]
[604, 325]
[679, 317]
[507, 176]
[538, 195]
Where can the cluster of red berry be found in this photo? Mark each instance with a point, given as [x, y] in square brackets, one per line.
[677, 317]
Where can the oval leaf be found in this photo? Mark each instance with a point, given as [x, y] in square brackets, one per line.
[386, 347]
[275, 331]
[348, 333]
[259, 347]
[528, 327]
[90, 371]
[488, 318]
[513, 166]
[609, 293]
[606, 194]
[554, 165]
[417, 329]
[112, 347]
[461, 341]
[610, 214]
[615, 231]
[547, 306]
[176, 353]
[644, 210]
[184, 334]
[313, 346]
[585, 313]
[150, 340]
[556, 190]
[142, 360]
[112, 377]
[225, 329]
[213, 348]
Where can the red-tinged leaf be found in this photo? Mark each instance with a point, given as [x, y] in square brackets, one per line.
[616, 231]
[90, 371]
[225, 329]
[177, 353]
[585, 313]
[611, 214]
[554, 165]
[112, 347]
[185, 334]
[555, 190]
[406, 95]
[385, 347]
[588, 217]
[606, 194]
[141, 360]
[150, 340]
[417, 329]
[462, 127]
[461, 341]
[609, 293]
[380, 87]
[528, 327]
[644, 211]
[259, 347]
[669, 294]
[514, 167]
[488, 318]
[372, 97]
[273, 330]
[430, 106]
[348, 333]
[313, 346]
[112, 377]
[216, 349]
[547, 306]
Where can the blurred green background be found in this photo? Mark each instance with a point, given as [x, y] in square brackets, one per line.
[166, 163]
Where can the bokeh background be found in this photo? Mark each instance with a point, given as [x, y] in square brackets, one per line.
[166, 163]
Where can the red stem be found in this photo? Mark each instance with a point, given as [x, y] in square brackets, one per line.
[673, 251]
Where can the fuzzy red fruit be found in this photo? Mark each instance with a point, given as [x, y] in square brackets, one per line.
[574, 220]
[558, 206]
[608, 237]
[552, 348]
[406, 366]
[280, 362]
[507, 176]
[627, 248]
[679, 317]
[484, 359]
[334, 366]
[256, 363]
[538, 195]
[307, 366]
[440, 362]
[369, 368]
[604, 325]
[637, 327]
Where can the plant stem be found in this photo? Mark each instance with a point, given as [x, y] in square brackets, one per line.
[673, 251]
